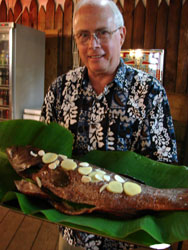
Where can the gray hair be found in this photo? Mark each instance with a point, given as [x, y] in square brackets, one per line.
[118, 18]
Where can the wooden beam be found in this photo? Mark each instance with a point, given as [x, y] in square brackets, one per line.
[178, 106]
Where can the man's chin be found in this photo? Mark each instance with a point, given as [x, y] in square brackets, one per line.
[98, 68]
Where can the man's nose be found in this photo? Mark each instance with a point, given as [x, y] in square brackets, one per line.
[93, 41]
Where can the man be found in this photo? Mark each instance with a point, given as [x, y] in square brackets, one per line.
[106, 104]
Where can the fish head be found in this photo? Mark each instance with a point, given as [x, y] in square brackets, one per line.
[22, 158]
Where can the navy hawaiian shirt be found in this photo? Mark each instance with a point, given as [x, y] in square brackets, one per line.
[132, 113]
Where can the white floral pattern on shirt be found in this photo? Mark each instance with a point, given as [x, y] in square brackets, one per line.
[131, 114]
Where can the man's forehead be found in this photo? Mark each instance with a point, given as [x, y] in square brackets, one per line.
[88, 18]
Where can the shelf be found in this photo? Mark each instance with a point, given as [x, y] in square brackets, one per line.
[4, 107]
[4, 66]
[4, 119]
[4, 87]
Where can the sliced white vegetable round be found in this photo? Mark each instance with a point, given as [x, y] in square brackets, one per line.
[84, 170]
[33, 154]
[106, 177]
[98, 177]
[85, 179]
[119, 178]
[49, 157]
[53, 165]
[41, 152]
[131, 188]
[84, 164]
[115, 187]
[92, 174]
[68, 164]
[100, 171]
[38, 181]
[63, 157]
[103, 188]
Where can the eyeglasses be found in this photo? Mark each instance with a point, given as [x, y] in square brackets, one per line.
[102, 36]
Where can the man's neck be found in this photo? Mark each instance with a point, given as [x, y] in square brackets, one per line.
[99, 82]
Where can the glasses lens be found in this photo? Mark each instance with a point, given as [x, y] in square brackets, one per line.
[103, 35]
[83, 37]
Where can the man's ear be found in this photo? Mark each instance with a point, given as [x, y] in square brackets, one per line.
[122, 34]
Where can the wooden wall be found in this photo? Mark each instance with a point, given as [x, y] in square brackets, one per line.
[160, 24]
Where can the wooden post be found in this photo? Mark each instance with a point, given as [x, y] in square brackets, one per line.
[67, 36]
[50, 14]
[172, 45]
[17, 12]
[3, 11]
[161, 26]
[41, 19]
[139, 24]
[182, 68]
[128, 19]
[10, 16]
[150, 24]
[34, 14]
[25, 18]
[59, 27]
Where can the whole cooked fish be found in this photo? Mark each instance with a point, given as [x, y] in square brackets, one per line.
[75, 187]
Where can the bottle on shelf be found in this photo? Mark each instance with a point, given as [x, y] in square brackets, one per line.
[3, 58]
[7, 98]
[1, 78]
[6, 58]
[7, 77]
[3, 94]
[5, 114]
[1, 97]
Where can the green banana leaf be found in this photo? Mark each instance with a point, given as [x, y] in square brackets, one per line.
[161, 227]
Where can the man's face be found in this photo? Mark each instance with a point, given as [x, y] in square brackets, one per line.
[99, 57]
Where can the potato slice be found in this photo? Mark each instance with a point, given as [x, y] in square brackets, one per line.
[33, 154]
[68, 164]
[119, 178]
[92, 174]
[84, 164]
[96, 176]
[53, 165]
[100, 171]
[115, 187]
[131, 188]
[103, 188]
[84, 170]
[38, 181]
[85, 179]
[49, 157]
[41, 152]
[106, 177]
[63, 157]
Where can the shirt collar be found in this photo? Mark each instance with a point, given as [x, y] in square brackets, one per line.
[119, 78]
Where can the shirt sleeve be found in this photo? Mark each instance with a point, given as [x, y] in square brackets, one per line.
[50, 107]
[157, 139]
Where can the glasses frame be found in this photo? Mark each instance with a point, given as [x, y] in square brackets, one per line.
[95, 36]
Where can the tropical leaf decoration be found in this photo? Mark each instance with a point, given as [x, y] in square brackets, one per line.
[161, 227]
